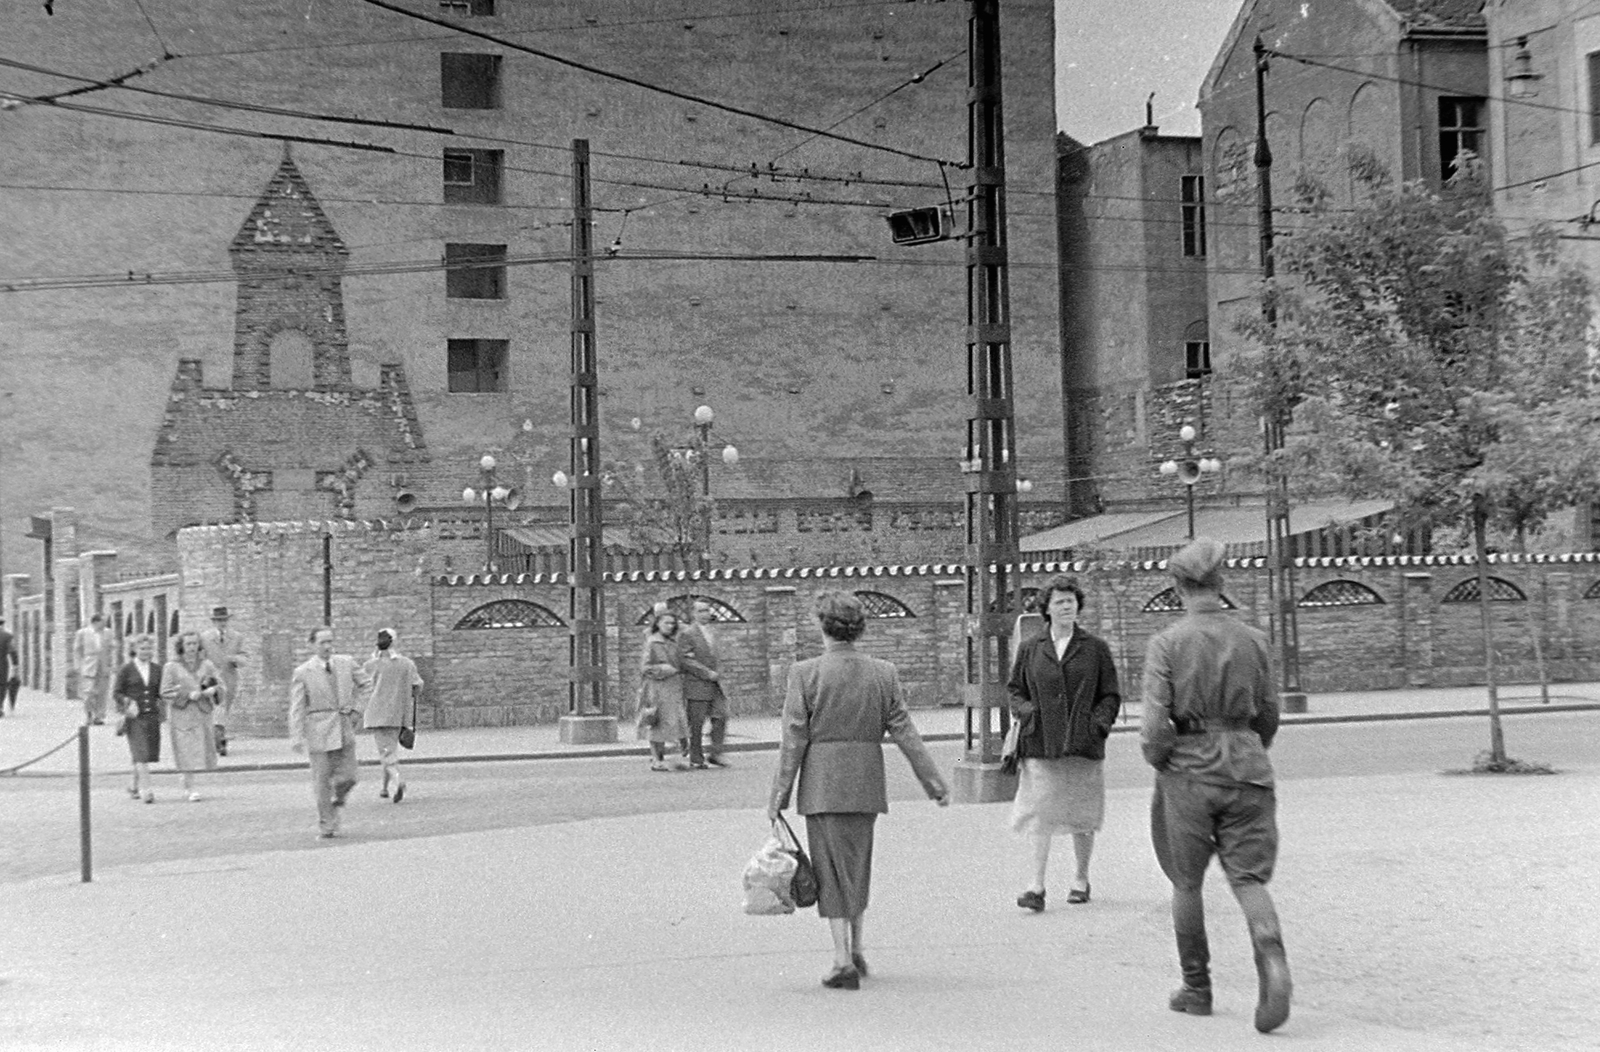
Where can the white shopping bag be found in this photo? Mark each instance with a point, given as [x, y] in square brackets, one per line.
[767, 878]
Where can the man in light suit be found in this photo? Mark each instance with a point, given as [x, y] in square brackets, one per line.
[702, 688]
[91, 651]
[325, 700]
[225, 650]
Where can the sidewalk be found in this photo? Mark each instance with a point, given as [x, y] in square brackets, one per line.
[1411, 927]
[43, 722]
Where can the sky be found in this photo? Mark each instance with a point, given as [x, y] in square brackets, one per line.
[1111, 54]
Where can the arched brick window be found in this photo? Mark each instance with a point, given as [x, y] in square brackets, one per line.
[1500, 591]
[683, 606]
[172, 627]
[510, 613]
[1341, 593]
[879, 604]
[1166, 601]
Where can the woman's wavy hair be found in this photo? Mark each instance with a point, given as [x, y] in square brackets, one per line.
[177, 642]
[659, 611]
[842, 615]
[1058, 583]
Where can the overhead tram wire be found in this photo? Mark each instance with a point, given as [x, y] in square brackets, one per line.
[217, 129]
[659, 89]
[133, 279]
[248, 107]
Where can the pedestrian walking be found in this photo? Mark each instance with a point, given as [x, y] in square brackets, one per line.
[93, 655]
[191, 692]
[836, 710]
[138, 699]
[224, 648]
[324, 702]
[1064, 690]
[661, 690]
[1210, 714]
[10, 668]
[396, 686]
[703, 695]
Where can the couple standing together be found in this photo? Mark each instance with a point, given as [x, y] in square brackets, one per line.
[680, 688]
[1210, 712]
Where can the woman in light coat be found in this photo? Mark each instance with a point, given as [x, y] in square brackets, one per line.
[837, 709]
[191, 690]
[661, 688]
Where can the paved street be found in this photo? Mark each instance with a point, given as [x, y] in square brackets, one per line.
[591, 905]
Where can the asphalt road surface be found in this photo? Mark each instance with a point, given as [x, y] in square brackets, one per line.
[245, 813]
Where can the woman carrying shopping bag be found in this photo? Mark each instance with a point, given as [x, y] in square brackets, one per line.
[837, 709]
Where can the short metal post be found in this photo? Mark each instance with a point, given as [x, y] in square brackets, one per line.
[83, 802]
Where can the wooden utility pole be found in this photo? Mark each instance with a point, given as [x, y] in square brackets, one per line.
[993, 593]
[587, 719]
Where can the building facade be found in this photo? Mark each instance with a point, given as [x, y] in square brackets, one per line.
[171, 360]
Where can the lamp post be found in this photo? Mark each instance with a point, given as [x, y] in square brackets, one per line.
[703, 418]
[1189, 470]
[490, 492]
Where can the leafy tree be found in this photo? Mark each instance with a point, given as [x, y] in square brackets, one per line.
[669, 514]
[1434, 359]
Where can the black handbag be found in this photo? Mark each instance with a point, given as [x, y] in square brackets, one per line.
[803, 886]
[1011, 751]
[408, 735]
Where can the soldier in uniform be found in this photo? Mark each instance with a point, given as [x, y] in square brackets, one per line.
[1210, 713]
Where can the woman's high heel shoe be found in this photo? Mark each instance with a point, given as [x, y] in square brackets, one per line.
[843, 979]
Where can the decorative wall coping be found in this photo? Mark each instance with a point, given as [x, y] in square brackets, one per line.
[797, 573]
[308, 526]
[140, 584]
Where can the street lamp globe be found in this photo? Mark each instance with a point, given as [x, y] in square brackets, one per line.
[730, 456]
[487, 463]
[1187, 433]
[500, 493]
[469, 496]
[560, 479]
[703, 416]
[1024, 485]
[1169, 467]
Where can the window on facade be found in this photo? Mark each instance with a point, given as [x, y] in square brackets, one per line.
[469, 81]
[1197, 359]
[472, 177]
[475, 272]
[476, 366]
[1193, 192]
[479, 8]
[1594, 96]
[1460, 132]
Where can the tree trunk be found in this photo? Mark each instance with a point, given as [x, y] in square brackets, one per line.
[1480, 521]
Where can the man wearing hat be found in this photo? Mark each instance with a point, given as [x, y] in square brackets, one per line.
[396, 686]
[224, 648]
[1210, 713]
[10, 667]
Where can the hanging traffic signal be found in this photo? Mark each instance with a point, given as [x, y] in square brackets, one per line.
[918, 226]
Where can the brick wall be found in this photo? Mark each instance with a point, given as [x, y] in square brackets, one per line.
[270, 575]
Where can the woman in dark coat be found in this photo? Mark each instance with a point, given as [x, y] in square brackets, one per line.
[1064, 690]
[837, 709]
[138, 698]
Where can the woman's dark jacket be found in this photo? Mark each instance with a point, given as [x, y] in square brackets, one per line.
[1068, 706]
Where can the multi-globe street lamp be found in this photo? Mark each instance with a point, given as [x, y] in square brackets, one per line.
[703, 419]
[490, 492]
[1189, 469]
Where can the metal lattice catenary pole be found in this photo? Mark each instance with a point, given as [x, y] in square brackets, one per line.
[989, 459]
[587, 718]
